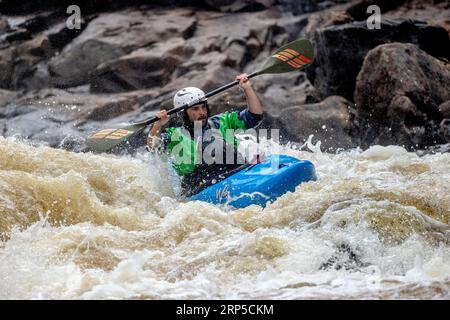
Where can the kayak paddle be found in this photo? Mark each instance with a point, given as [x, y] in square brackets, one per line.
[294, 56]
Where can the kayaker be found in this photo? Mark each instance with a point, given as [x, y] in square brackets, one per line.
[218, 155]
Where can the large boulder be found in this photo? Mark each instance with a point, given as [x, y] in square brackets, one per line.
[341, 50]
[279, 92]
[398, 94]
[328, 121]
[17, 62]
[113, 35]
[143, 68]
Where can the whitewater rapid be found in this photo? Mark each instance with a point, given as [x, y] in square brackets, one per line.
[375, 225]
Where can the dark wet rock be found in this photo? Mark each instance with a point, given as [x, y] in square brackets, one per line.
[289, 90]
[342, 12]
[444, 109]
[6, 97]
[73, 143]
[444, 129]
[341, 50]
[207, 72]
[30, 6]
[175, 58]
[345, 257]
[143, 68]
[325, 19]
[436, 13]
[17, 62]
[287, 6]
[439, 148]
[59, 35]
[37, 76]
[22, 28]
[328, 121]
[13, 110]
[113, 35]
[73, 67]
[18, 35]
[26, 27]
[4, 25]
[239, 5]
[34, 125]
[41, 21]
[398, 94]
[307, 6]
[358, 9]
[126, 74]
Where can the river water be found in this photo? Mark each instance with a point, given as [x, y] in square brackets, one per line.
[375, 225]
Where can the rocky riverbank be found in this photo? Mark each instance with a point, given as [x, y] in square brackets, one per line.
[383, 86]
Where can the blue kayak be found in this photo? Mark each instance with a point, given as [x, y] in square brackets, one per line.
[259, 183]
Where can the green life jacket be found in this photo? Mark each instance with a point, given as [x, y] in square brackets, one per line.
[186, 157]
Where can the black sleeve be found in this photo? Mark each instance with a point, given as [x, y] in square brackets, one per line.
[250, 119]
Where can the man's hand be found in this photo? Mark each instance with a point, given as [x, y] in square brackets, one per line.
[155, 131]
[163, 117]
[244, 82]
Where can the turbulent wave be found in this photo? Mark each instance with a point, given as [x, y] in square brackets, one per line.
[84, 226]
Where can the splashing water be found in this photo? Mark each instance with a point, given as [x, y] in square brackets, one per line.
[80, 226]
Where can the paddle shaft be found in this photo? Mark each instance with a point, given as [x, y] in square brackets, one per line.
[209, 94]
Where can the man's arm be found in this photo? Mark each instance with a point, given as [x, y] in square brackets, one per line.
[253, 103]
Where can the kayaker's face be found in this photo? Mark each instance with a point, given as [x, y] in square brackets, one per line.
[198, 113]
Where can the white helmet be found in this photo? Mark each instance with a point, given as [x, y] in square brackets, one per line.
[187, 95]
